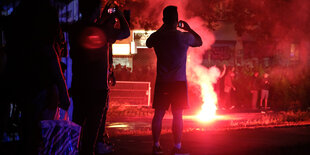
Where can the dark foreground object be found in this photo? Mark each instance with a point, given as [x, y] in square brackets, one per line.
[293, 140]
[263, 141]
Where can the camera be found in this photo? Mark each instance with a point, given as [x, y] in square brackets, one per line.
[111, 10]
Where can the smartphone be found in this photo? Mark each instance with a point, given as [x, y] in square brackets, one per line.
[180, 24]
[111, 10]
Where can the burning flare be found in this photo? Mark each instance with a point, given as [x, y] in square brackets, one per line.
[205, 79]
[201, 75]
[209, 98]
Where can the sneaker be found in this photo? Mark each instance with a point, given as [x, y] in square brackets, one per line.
[157, 150]
[103, 148]
[176, 151]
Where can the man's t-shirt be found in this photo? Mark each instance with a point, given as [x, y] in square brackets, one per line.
[171, 47]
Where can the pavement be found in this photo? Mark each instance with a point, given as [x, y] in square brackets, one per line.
[132, 136]
[262, 141]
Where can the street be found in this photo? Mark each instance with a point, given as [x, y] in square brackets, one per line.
[287, 140]
[132, 136]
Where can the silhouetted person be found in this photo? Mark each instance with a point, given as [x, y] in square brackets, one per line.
[265, 86]
[171, 47]
[228, 87]
[254, 86]
[217, 87]
[34, 78]
[90, 41]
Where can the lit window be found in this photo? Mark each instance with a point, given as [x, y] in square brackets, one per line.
[121, 49]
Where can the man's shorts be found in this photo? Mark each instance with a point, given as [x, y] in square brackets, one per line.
[171, 93]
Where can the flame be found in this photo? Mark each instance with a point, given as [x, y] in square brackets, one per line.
[201, 75]
[205, 78]
[208, 109]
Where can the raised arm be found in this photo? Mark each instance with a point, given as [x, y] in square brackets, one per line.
[224, 71]
[124, 27]
[186, 27]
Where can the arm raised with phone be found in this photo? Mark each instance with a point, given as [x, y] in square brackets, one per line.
[183, 25]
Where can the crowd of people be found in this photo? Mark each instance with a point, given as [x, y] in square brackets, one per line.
[240, 88]
[139, 73]
[243, 88]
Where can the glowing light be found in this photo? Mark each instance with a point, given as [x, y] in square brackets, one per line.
[202, 76]
[133, 47]
[92, 38]
[205, 79]
[117, 125]
[208, 109]
[121, 49]
[140, 37]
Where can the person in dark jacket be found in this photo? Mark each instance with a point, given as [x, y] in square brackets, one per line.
[265, 86]
[34, 80]
[255, 87]
[90, 41]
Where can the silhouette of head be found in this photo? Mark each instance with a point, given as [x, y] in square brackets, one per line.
[170, 15]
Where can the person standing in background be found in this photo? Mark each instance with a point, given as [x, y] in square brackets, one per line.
[228, 87]
[265, 85]
[255, 85]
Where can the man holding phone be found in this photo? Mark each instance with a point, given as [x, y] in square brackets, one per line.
[90, 40]
[171, 47]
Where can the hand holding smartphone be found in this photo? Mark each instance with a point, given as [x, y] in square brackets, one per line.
[180, 24]
[111, 10]
[183, 25]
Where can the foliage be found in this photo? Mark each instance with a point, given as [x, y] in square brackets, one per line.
[289, 89]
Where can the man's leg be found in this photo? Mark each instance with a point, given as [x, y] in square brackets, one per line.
[261, 99]
[103, 145]
[177, 126]
[266, 98]
[101, 133]
[157, 124]
[78, 116]
[91, 128]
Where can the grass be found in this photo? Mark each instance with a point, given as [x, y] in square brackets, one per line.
[273, 119]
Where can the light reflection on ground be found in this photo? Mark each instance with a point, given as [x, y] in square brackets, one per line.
[190, 121]
[215, 118]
